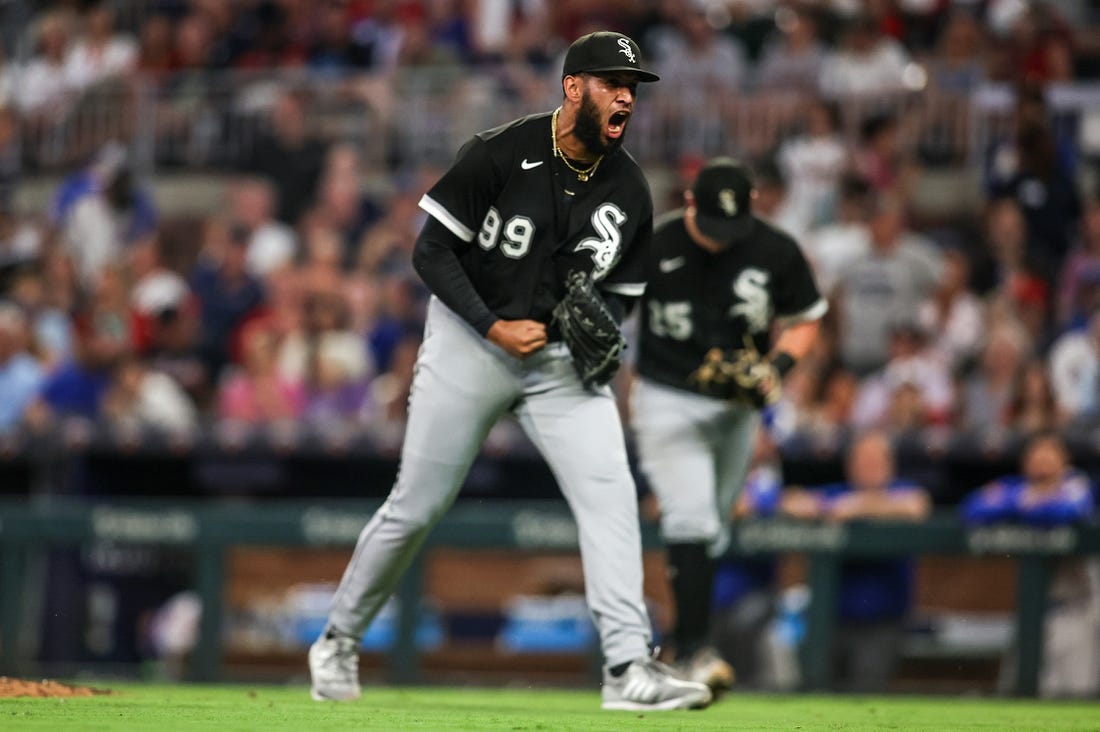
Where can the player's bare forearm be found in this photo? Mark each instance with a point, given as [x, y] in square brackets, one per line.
[518, 338]
[798, 339]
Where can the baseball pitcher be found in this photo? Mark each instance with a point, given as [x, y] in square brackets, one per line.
[534, 247]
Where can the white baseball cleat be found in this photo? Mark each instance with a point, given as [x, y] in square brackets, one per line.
[705, 666]
[649, 685]
[334, 668]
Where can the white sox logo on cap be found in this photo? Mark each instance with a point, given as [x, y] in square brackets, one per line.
[599, 52]
[727, 201]
[626, 50]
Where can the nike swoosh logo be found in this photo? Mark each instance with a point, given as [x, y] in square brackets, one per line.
[670, 265]
[528, 166]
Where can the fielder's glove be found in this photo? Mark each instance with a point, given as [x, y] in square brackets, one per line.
[743, 375]
[590, 331]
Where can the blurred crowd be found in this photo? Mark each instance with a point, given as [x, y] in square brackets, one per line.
[186, 72]
[374, 50]
[988, 323]
[263, 322]
[294, 304]
[835, 46]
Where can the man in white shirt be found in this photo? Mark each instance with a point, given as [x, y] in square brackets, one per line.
[1075, 369]
[100, 54]
[41, 86]
[813, 164]
[899, 272]
[866, 63]
[832, 248]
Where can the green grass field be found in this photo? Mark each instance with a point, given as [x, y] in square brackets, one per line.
[271, 709]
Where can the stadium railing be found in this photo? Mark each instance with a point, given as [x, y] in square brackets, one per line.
[204, 120]
[223, 457]
[210, 530]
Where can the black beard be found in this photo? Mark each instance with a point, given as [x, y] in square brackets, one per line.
[588, 129]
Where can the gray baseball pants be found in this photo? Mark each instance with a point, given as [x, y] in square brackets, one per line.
[462, 385]
[695, 452]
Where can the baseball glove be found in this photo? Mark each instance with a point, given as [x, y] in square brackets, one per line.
[743, 375]
[590, 331]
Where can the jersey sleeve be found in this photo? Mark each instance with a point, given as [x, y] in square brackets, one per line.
[628, 278]
[797, 299]
[462, 197]
[434, 259]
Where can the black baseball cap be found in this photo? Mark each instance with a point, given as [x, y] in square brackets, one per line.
[605, 51]
[723, 199]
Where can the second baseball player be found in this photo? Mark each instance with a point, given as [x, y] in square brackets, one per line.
[719, 279]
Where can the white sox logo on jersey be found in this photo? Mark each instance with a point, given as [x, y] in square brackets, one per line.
[751, 286]
[606, 220]
[626, 50]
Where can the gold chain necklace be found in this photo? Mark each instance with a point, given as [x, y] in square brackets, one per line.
[582, 175]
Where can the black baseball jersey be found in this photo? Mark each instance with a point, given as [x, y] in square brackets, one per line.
[696, 300]
[529, 220]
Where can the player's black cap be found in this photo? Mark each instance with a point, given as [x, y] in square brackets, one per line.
[605, 51]
[723, 199]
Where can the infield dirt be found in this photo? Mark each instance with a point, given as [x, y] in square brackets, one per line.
[13, 688]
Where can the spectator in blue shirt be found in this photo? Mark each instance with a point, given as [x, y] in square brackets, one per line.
[20, 374]
[227, 294]
[1051, 492]
[77, 387]
[875, 595]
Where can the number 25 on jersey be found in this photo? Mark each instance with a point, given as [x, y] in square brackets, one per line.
[670, 319]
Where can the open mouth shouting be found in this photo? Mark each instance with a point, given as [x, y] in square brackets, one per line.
[616, 124]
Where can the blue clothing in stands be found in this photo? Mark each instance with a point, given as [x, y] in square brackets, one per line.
[1007, 500]
[873, 590]
[225, 305]
[71, 190]
[143, 212]
[75, 391]
[20, 379]
[733, 580]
